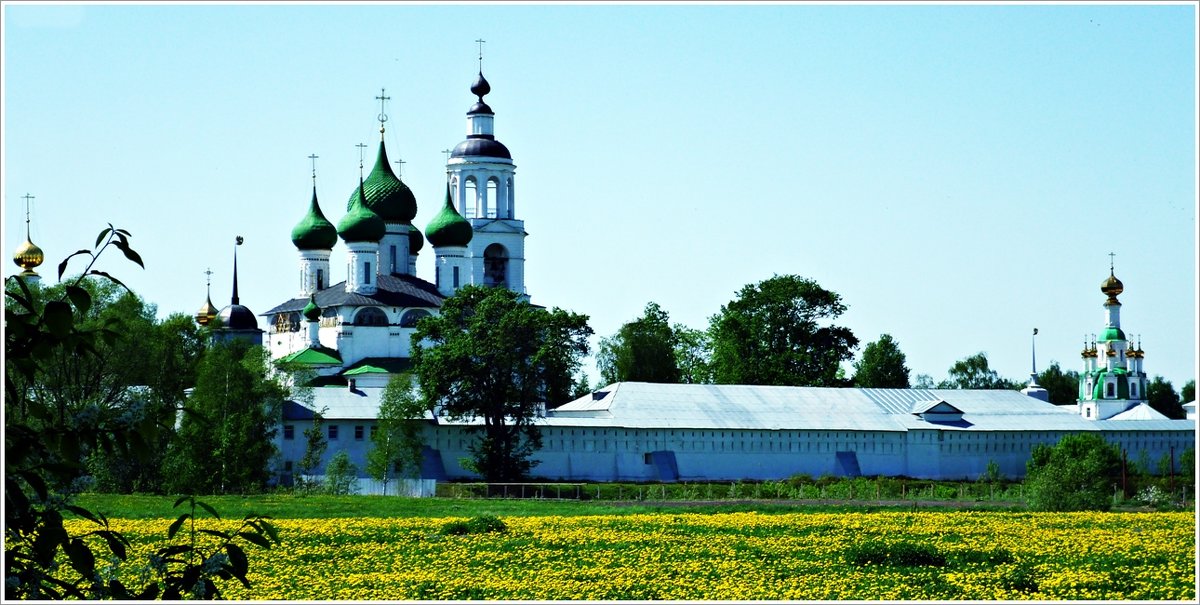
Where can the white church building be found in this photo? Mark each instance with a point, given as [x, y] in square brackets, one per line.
[353, 336]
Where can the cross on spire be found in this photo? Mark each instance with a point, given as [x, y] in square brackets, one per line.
[480, 42]
[383, 99]
[362, 150]
[1110, 261]
[314, 157]
[27, 197]
[208, 276]
[400, 167]
[447, 152]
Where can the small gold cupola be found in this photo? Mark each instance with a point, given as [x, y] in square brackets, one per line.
[208, 311]
[28, 255]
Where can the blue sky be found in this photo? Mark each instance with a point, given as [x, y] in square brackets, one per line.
[958, 173]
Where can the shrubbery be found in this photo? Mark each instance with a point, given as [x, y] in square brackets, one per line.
[483, 524]
[1078, 473]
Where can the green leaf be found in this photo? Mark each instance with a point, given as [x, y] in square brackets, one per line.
[238, 562]
[255, 538]
[116, 543]
[181, 500]
[215, 532]
[103, 234]
[80, 298]
[130, 254]
[83, 512]
[171, 531]
[58, 318]
[62, 267]
[212, 511]
[81, 558]
[111, 278]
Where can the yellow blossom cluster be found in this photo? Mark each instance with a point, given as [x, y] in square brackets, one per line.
[742, 556]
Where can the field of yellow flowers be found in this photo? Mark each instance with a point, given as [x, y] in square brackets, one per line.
[984, 555]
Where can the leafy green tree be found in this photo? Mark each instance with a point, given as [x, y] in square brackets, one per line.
[1162, 397]
[341, 475]
[772, 334]
[1188, 393]
[315, 445]
[1062, 387]
[1080, 472]
[491, 356]
[973, 373]
[397, 440]
[224, 439]
[48, 431]
[693, 353]
[882, 366]
[642, 350]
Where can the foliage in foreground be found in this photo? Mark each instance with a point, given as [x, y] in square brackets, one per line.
[738, 556]
[53, 426]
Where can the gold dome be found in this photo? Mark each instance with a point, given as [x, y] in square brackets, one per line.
[206, 313]
[1112, 287]
[28, 256]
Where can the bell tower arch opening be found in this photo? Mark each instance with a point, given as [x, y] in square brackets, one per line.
[495, 266]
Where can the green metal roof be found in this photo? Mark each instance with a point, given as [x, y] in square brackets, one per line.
[416, 241]
[361, 224]
[379, 365]
[449, 228]
[1111, 334]
[314, 231]
[385, 194]
[314, 357]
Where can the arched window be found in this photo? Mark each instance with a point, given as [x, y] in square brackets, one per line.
[411, 317]
[492, 201]
[470, 199]
[495, 266]
[294, 321]
[1133, 390]
[370, 316]
[1111, 390]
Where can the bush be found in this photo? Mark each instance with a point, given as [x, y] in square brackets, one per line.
[483, 524]
[903, 554]
[341, 475]
[1076, 474]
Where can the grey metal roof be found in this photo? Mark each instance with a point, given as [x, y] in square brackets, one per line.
[393, 291]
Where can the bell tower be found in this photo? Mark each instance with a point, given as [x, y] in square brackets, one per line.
[480, 175]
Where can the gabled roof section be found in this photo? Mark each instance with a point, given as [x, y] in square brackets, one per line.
[379, 365]
[310, 356]
[393, 291]
[497, 225]
[1140, 411]
[937, 406]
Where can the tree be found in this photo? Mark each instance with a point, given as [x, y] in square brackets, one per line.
[1062, 387]
[1188, 393]
[224, 439]
[341, 475]
[924, 381]
[1078, 473]
[693, 352]
[314, 449]
[771, 334]
[1162, 397]
[46, 440]
[396, 440]
[882, 366]
[973, 373]
[491, 356]
[642, 350]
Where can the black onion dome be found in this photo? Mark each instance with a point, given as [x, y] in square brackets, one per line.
[238, 317]
[476, 145]
[481, 86]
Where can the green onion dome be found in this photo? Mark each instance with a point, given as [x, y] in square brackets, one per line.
[360, 224]
[311, 311]
[416, 241]
[448, 228]
[314, 231]
[386, 194]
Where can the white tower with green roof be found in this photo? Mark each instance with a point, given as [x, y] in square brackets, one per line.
[480, 174]
[450, 234]
[1112, 382]
[314, 237]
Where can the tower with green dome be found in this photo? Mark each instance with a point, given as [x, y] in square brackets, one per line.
[314, 236]
[387, 196]
[450, 234]
[1113, 384]
[361, 229]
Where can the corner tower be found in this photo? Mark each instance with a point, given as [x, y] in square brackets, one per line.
[1112, 380]
[480, 175]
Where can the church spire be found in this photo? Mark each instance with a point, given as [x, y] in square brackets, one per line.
[28, 256]
[208, 311]
[234, 299]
